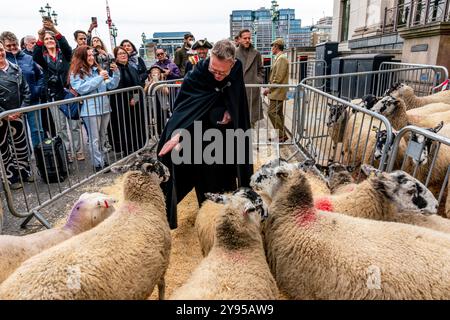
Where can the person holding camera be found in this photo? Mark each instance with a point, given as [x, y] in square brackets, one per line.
[135, 61]
[53, 53]
[127, 126]
[86, 78]
[14, 93]
[103, 58]
[82, 38]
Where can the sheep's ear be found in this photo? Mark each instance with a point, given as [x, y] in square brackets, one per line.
[249, 208]
[322, 168]
[308, 163]
[370, 171]
[121, 169]
[217, 197]
[282, 172]
[106, 203]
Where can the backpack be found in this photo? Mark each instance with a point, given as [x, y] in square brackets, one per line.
[51, 160]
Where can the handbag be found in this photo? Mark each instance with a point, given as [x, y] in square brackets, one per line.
[71, 110]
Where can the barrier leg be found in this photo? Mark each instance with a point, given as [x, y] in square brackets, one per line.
[39, 217]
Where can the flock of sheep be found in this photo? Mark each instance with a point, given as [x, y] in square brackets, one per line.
[291, 232]
[402, 108]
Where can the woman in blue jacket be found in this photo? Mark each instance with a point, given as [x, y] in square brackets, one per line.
[86, 78]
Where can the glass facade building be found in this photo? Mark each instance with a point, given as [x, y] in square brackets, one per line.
[259, 22]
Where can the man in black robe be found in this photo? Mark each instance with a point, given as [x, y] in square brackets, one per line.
[214, 96]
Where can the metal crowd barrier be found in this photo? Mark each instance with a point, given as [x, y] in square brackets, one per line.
[331, 129]
[426, 79]
[53, 173]
[407, 154]
[302, 69]
[317, 128]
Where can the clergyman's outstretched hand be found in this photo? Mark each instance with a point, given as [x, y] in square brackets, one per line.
[170, 145]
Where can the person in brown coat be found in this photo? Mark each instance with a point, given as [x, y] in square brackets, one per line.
[253, 73]
[279, 74]
[182, 54]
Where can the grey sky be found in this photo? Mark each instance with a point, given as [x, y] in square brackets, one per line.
[208, 19]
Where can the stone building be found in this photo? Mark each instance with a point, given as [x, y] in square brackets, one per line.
[416, 31]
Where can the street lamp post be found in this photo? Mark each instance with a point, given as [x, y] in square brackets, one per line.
[114, 33]
[255, 33]
[48, 13]
[144, 39]
[275, 17]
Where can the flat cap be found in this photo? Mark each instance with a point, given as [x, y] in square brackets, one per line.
[278, 42]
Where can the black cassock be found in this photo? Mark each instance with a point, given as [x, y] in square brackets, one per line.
[202, 98]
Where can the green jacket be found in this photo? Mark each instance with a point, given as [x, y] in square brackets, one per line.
[279, 74]
[181, 58]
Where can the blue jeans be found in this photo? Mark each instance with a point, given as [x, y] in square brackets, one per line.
[97, 127]
[34, 120]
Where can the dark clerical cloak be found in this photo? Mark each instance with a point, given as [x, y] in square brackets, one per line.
[203, 98]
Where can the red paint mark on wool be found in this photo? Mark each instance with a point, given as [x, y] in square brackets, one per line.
[349, 189]
[131, 208]
[235, 257]
[305, 217]
[324, 204]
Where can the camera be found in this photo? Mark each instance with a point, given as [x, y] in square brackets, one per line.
[52, 81]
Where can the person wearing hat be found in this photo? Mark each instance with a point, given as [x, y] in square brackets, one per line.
[202, 47]
[182, 54]
[170, 69]
[279, 74]
[253, 73]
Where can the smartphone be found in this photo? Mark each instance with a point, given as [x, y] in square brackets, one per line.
[94, 19]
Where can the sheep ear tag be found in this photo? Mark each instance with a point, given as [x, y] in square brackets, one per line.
[106, 203]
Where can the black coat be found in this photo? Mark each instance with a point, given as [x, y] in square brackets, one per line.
[202, 98]
[127, 124]
[14, 90]
[55, 72]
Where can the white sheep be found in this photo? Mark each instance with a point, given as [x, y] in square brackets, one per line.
[122, 258]
[209, 211]
[368, 200]
[394, 109]
[341, 182]
[205, 224]
[324, 255]
[90, 210]
[405, 92]
[236, 267]
[421, 164]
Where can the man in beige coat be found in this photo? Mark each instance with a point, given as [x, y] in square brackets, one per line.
[253, 73]
[279, 74]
